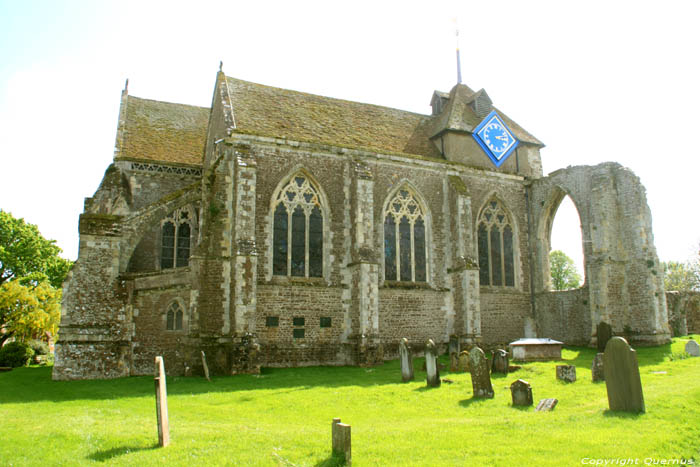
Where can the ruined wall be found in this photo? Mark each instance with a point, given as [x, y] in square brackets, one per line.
[503, 316]
[564, 316]
[623, 272]
[683, 312]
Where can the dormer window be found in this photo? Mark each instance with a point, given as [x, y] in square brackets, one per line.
[439, 101]
[481, 104]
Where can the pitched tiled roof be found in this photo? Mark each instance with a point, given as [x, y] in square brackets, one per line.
[162, 132]
[297, 115]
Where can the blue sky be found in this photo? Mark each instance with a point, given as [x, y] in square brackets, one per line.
[595, 80]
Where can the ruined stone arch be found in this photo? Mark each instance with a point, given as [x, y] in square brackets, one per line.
[141, 222]
[399, 203]
[300, 197]
[543, 234]
[497, 244]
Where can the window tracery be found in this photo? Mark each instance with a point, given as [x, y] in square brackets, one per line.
[297, 242]
[404, 238]
[496, 246]
[176, 234]
[174, 317]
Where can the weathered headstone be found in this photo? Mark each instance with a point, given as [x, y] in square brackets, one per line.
[454, 345]
[499, 362]
[566, 373]
[622, 378]
[603, 333]
[406, 360]
[692, 348]
[546, 405]
[161, 404]
[521, 392]
[481, 377]
[597, 373]
[463, 362]
[206, 368]
[341, 441]
[454, 362]
[431, 366]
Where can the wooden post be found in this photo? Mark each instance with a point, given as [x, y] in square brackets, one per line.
[204, 364]
[340, 434]
[161, 404]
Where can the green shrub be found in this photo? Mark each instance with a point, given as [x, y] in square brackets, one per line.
[15, 354]
[39, 347]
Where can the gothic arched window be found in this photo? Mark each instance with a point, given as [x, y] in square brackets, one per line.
[174, 317]
[297, 240]
[404, 238]
[496, 240]
[176, 231]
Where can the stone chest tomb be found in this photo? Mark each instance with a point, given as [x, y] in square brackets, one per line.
[280, 228]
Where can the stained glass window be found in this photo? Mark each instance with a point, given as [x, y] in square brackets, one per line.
[405, 255]
[297, 244]
[495, 241]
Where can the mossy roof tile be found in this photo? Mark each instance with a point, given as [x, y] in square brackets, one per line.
[163, 132]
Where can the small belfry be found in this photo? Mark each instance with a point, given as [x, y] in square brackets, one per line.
[280, 228]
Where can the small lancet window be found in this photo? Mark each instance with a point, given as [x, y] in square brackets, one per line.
[404, 239]
[496, 242]
[174, 317]
[176, 233]
[297, 239]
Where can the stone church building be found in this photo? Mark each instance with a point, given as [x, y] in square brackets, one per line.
[280, 228]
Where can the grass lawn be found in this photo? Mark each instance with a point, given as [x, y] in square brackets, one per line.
[283, 417]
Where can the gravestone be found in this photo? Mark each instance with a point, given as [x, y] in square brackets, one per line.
[341, 441]
[463, 362]
[604, 333]
[406, 360]
[622, 378]
[481, 377]
[431, 366]
[204, 364]
[692, 348]
[499, 362]
[454, 362]
[597, 373]
[521, 392]
[161, 404]
[546, 405]
[454, 347]
[566, 373]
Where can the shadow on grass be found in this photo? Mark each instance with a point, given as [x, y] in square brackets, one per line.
[104, 456]
[621, 414]
[332, 461]
[474, 401]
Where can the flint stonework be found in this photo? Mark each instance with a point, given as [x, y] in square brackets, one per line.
[406, 360]
[622, 378]
[431, 365]
[481, 377]
[521, 393]
[597, 372]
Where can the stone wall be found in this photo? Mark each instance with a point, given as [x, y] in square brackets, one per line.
[683, 312]
[503, 315]
[564, 316]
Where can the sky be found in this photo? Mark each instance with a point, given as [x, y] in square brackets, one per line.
[595, 81]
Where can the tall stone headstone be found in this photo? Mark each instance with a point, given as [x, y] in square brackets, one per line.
[431, 365]
[481, 377]
[566, 373]
[341, 441]
[499, 362]
[603, 333]
[521, 392]
[597, 373]
[205, 366]
[453, 350]
[463, 361]
[161, 404]
[406, 360]
[622, 378]
[692, 348]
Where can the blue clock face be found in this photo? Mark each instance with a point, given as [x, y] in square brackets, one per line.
[495, 138]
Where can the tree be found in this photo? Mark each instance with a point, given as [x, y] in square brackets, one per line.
[27, 311]
[682, 276]
[563, 271]
[27, 256]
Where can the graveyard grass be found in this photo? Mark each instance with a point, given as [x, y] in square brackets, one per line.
[283, 417]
